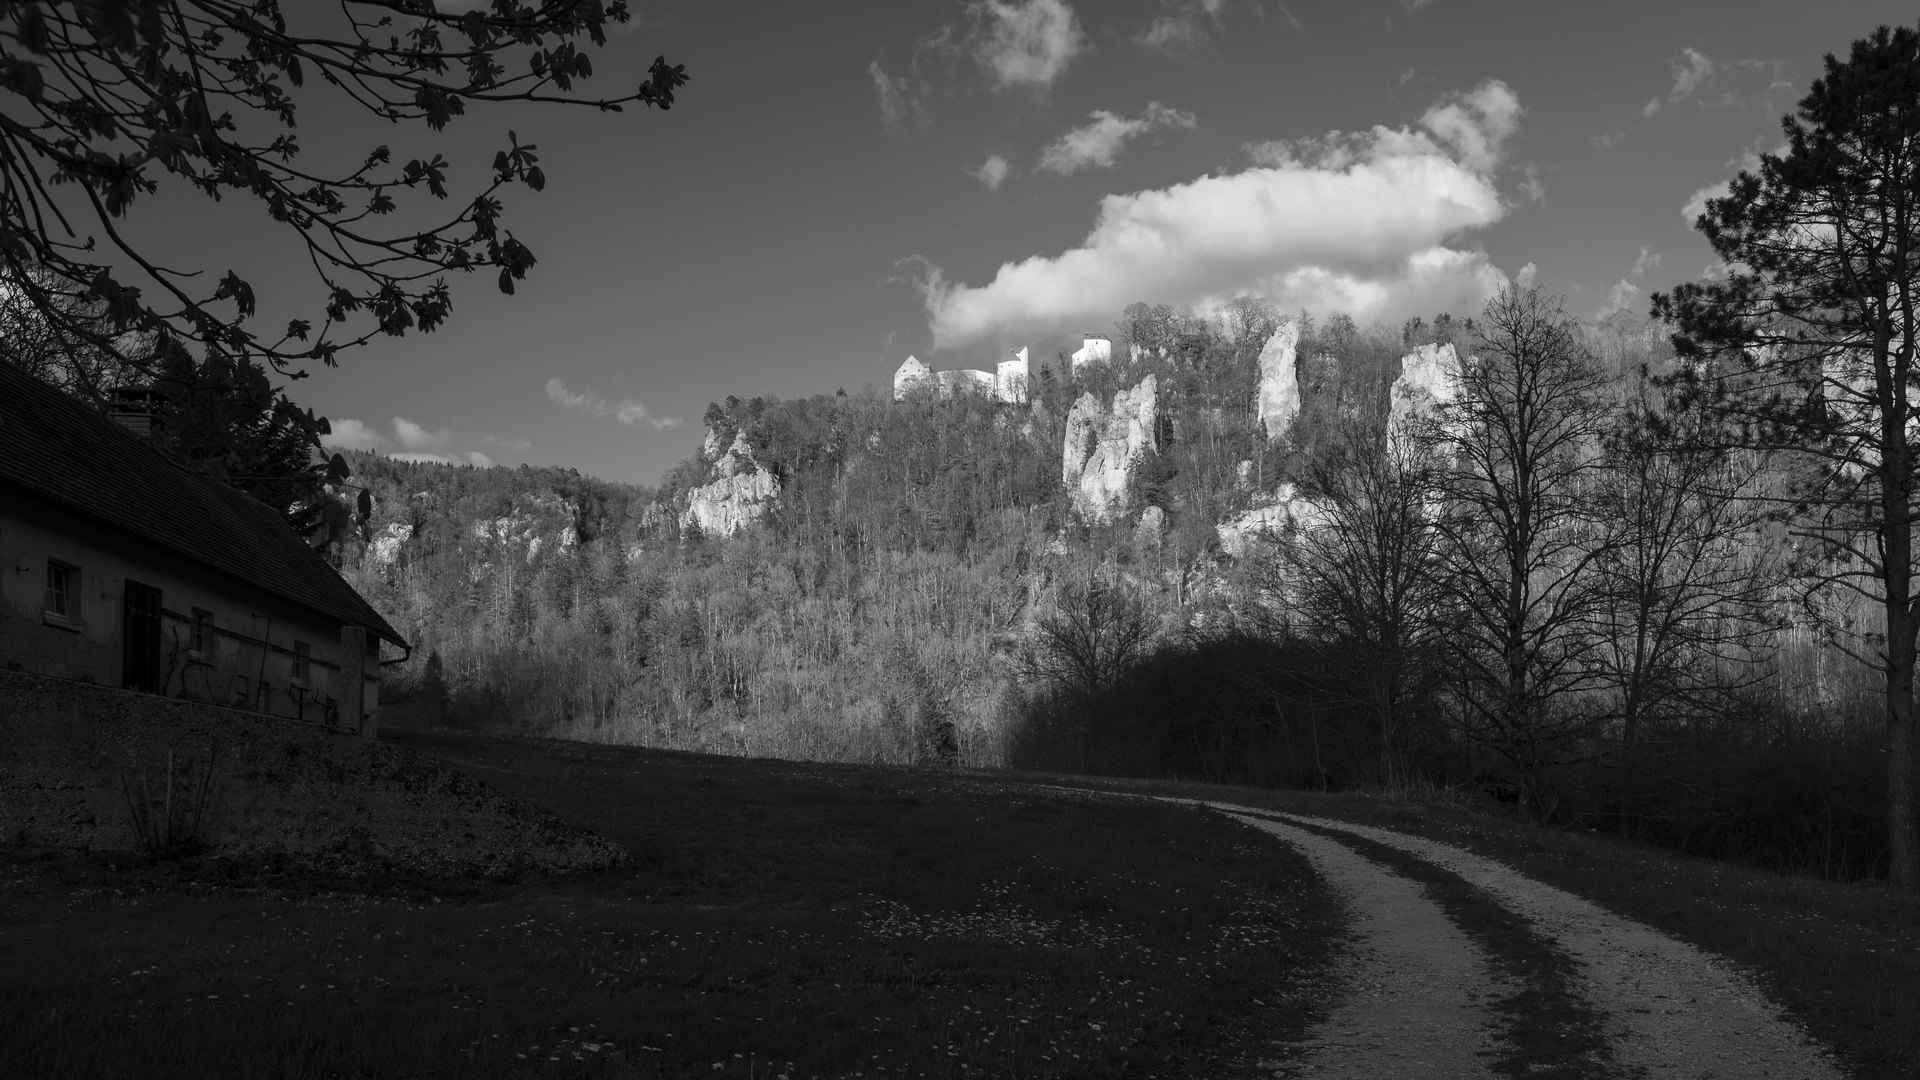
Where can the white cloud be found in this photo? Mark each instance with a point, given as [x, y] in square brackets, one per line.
[1094, 145]
[1477, 124]
[1647, 261]
[349, 434]
[1527, 277]
[1748, 161]
[415, 437]
[1624, 296]
[903, 105]
[628, 411]
[1607, 140]
[515, 445]
[1354, 222]
[1184, 24]
[992, 172]
[1026, 44]
[479, 460]
[1691, 70]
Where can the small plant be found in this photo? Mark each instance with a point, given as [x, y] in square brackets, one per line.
[169, 825]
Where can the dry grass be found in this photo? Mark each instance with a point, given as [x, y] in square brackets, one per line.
[780, 920]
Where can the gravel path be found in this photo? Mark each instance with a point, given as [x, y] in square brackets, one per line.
[1672, 1010]
[1413, 997]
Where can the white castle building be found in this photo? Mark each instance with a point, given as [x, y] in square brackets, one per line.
[1007, 384]
[1094, 348]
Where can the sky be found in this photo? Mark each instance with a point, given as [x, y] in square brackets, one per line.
[842, 185]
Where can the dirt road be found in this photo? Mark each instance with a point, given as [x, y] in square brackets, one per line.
[1417, 995]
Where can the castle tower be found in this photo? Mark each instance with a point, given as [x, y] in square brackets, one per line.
[1093, 347]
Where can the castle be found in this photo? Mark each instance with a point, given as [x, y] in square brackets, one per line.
[1009, 384]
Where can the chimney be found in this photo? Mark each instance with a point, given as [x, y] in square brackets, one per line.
[137, 409]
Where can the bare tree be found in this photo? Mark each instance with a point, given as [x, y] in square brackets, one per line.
[1362, 569]
[1519, 533]
[1099, 631]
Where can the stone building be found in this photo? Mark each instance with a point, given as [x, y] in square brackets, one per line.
[122, 564]
[1009, 383]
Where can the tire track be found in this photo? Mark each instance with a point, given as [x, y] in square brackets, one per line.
[1671, 1011]
[1417, 994]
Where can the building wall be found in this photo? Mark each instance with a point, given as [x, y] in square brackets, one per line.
[249, 657]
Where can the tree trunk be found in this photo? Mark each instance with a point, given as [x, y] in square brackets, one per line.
[1903, 846]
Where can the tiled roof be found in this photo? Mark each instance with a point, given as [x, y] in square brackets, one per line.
[64, 451]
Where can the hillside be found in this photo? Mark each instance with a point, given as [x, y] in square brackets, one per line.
[1157, 564]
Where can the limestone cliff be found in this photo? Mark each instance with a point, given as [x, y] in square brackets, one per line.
[740, 494]
[1103, 445]
[1279, 383]
[1425, 383]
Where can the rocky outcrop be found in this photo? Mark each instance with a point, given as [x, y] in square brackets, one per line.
[1287, 515]
[1279, 382]
[740, 494]
[1103, 445]
[384, 549]
[1426, 382]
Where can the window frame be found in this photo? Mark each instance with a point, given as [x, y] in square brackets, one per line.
[67, 614]
[200, 634]
[302, 664]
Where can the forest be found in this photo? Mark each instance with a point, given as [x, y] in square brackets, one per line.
[922, 590]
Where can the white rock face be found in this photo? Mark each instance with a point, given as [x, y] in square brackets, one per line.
[1153, 522]
[1093, 349]
[909, 375]
[1426, 382]
[740, 494]
[1286, 514]
[1102, 447]
[384, 549]
[1279, 382]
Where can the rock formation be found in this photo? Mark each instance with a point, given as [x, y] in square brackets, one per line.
[740, 494]
[384, 549]
[1425, 382]
[1102, 447]
[1279, 383]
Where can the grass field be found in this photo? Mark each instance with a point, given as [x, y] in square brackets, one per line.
[780, 920]
[1844, 959]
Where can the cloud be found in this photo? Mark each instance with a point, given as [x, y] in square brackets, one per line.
[1624, 296]
[992, 172]
[1356, 222]
[628, 411]
[349, 434]
[1647, 261]
[1527, 277]
[903, 99]
[1184, 24]
[1607, 140]
[515, 445]
[1095, 145]
[1748, 161]
[414, 437]
[1026, 45]
[1477, 124]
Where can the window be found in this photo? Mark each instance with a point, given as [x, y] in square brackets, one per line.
[63, 590]
[200, 644]
[302, 662]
